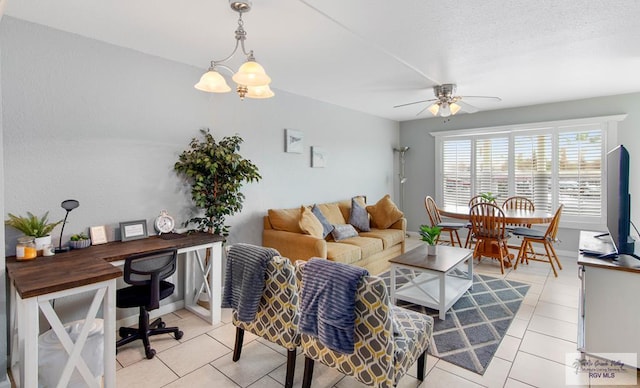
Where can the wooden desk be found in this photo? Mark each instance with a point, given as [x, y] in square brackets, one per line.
[36, 282]
[513, 216]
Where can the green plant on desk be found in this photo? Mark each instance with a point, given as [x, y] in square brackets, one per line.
[32, 225]
[78, 237]
[430, 234]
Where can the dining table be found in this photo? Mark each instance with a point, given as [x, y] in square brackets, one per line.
[512, 216]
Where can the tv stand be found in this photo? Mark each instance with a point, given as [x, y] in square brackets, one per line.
[608, 300]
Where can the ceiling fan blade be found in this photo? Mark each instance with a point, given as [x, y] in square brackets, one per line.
[415, 102]
[498, 99]
[467, 107]
[422, 111]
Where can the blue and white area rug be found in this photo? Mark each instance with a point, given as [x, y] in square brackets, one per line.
[475, 324]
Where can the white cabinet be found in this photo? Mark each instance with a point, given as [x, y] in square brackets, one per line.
[609, 311]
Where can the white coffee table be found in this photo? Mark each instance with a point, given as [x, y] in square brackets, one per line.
[431, 281]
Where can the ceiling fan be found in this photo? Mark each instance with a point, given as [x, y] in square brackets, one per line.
[446, 103]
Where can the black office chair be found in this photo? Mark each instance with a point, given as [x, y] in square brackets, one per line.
[146, 273]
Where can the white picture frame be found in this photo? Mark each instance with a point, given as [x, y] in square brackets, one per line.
[318, 157]
[293, 141]
[98, 235]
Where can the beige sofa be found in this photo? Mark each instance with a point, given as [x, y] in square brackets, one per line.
[288, 231]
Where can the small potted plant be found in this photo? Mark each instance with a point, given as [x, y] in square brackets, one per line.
[430, 235]
[79, 241]
[489, 196]
[38, 227]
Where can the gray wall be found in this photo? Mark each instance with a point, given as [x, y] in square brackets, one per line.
[104, 125]
[420, 158]
[4, 380]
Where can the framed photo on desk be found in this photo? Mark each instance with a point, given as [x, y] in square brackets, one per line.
[98, 235]
[133, 230]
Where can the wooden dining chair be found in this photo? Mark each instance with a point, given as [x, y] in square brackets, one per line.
[518, 203]
[488, 230]
[447, 227]
[470, 241]
[546, 238]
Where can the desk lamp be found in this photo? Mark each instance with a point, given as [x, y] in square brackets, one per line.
[67, 205]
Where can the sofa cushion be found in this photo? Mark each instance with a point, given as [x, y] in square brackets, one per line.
[309, 223]
[345, 205]
[343, 253]
[358, 216]
[389, 237]
[326, 225]
[285, 219]
[332, 213]
[342, 231]
[369, 246]
[384, 213]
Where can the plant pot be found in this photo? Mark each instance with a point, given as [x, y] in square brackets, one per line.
[79, 244]
[41, 242]
[432, 250]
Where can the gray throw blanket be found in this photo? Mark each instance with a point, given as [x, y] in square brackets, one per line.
[245, 279]
[327, 303]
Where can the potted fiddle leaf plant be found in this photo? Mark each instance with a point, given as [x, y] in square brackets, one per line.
[216, 172]
[39, 228]
[430, 235]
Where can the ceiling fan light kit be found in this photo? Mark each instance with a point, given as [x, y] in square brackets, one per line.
[251, 78]
[446, 104]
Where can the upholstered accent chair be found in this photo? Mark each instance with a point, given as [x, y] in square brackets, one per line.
[388, 339]
[277, 317]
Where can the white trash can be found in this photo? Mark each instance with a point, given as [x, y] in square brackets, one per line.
[52, 357]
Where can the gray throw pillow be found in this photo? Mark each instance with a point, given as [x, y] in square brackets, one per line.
[326, 225]
[342, 231]
[358, 216]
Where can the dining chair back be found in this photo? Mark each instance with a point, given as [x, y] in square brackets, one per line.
[546, 238]
[488, 228]
[518, 203]
[447, 227]
[388, 339]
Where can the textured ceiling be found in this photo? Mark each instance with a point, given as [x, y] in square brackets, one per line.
[370, 55]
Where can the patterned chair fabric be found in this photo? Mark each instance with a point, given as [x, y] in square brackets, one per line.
[380, 357]
[277, 317]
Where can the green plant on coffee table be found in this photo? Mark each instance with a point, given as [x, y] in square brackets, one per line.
[430, 233]
[32, 225]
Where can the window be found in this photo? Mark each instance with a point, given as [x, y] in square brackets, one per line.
[550, 163]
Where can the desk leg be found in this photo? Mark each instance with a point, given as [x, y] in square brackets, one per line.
[109, 319]
[28, 341]
[208, 278]
[470, 270]
[215, 283]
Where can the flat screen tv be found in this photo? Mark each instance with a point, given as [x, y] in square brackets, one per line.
[619, 200]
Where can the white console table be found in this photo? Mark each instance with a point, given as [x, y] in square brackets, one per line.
[609, 310]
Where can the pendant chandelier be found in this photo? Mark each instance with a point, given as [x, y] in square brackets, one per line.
[251, 79]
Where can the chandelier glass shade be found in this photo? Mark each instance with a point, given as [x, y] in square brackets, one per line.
[251, 79]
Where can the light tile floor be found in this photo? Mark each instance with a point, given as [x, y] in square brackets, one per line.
[531, 354]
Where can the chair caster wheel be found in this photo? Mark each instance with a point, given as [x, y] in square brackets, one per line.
[150, 353]
[122, 332]
[162, 325]
[179, 335]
